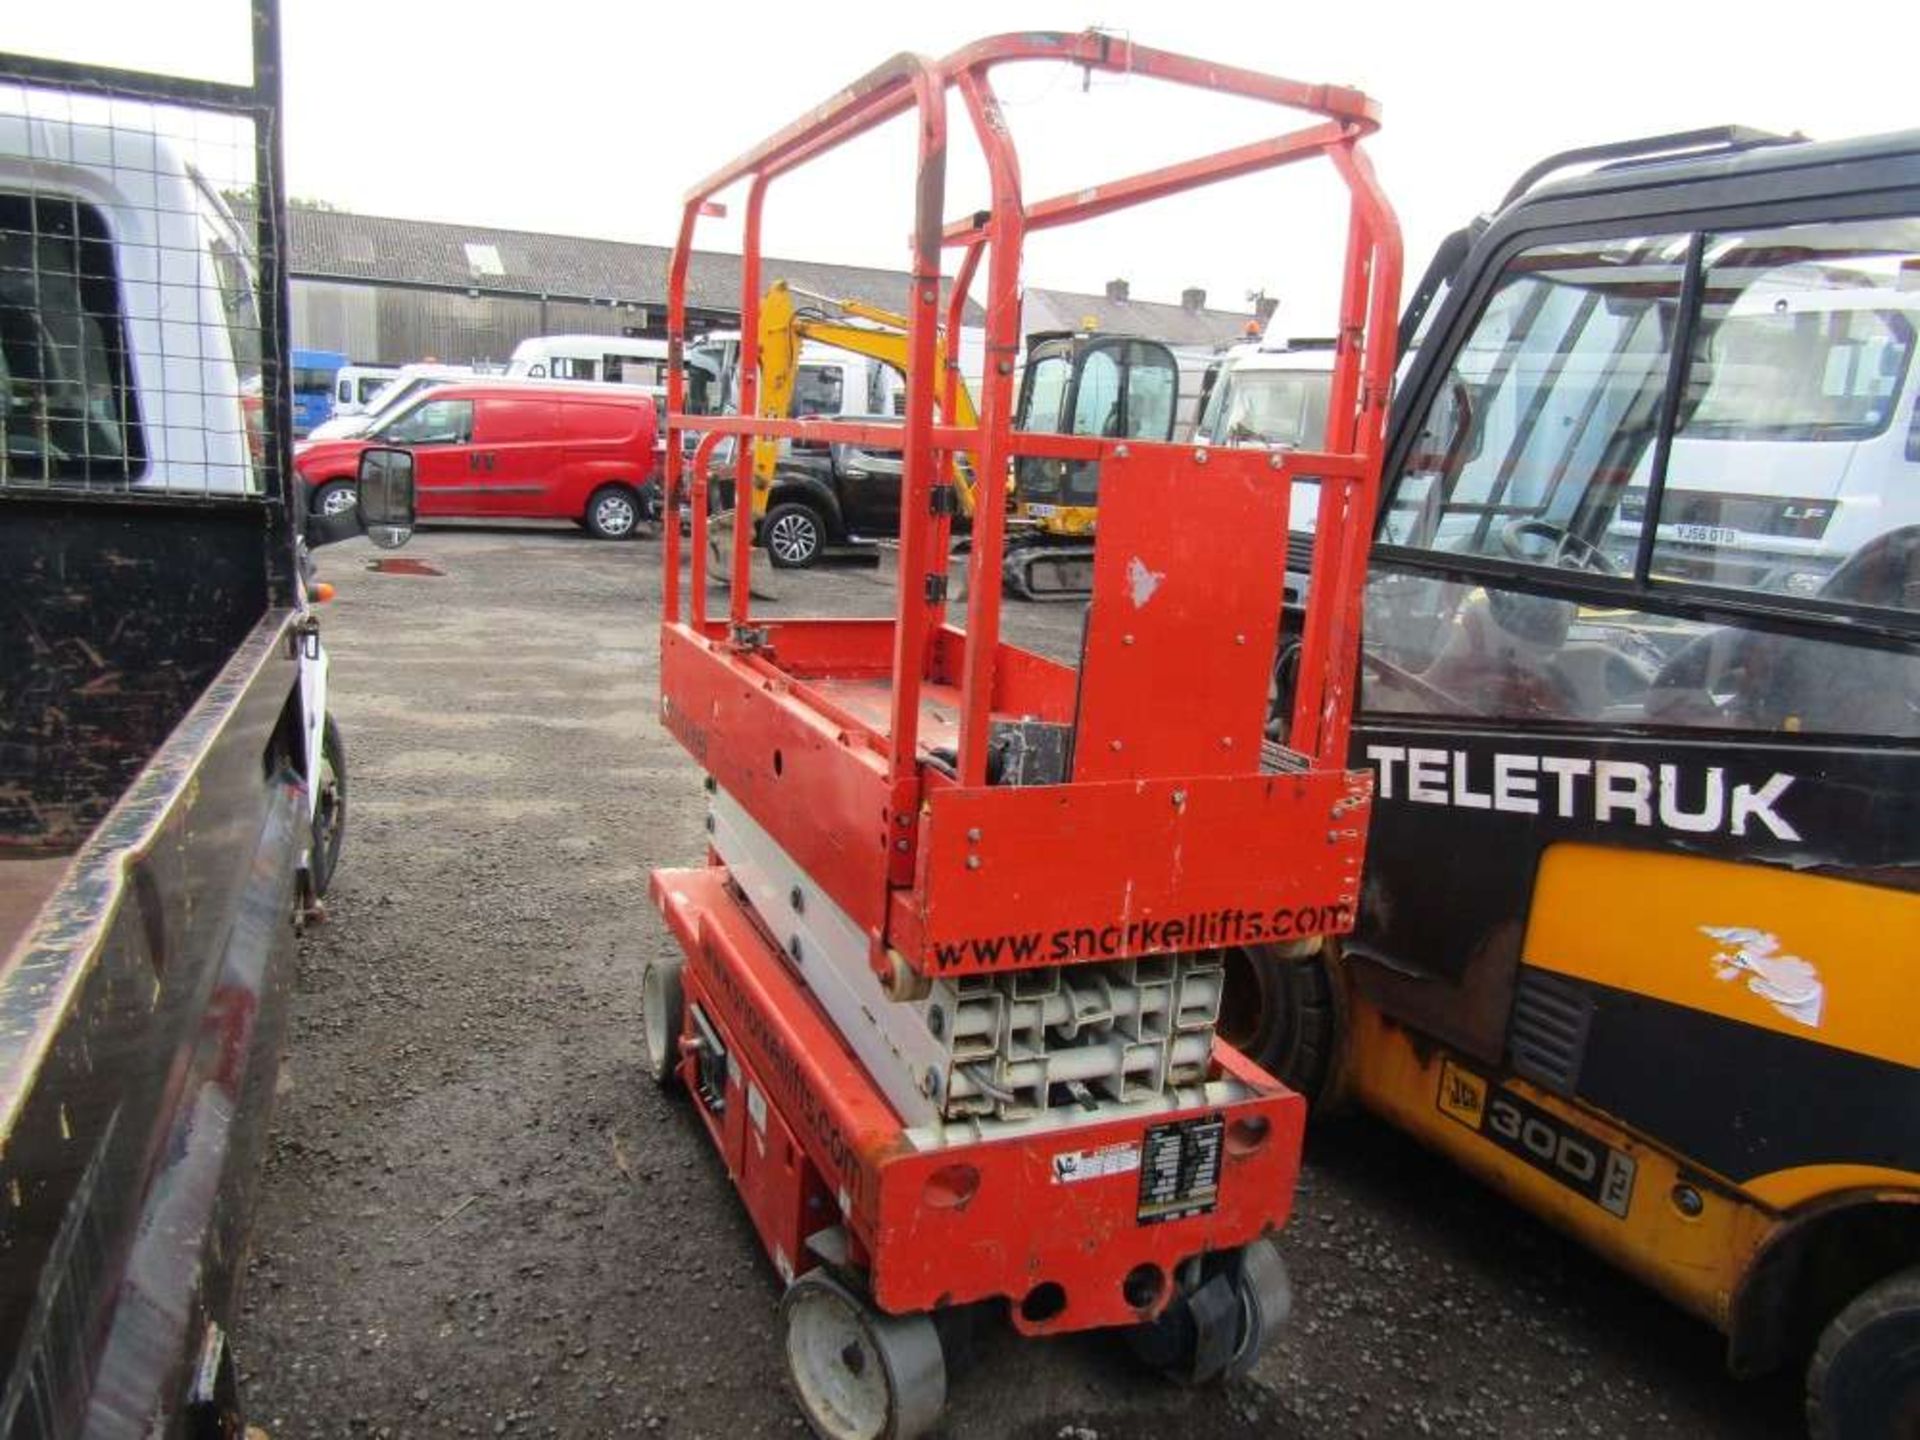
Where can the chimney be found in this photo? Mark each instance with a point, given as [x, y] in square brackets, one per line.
[1116, 290]
[1193, 300]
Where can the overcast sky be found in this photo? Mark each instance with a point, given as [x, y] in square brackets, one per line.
[592, 117]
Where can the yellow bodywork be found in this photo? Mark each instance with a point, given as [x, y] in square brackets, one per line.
[1074, 520]
[1659, 925]
[1696, 1261]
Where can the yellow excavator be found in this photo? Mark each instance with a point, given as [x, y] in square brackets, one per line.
[810, 503]
[1078, 383]
[1075, 383]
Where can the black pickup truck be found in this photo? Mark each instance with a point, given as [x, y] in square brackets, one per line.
[161, 691]
[824, 496]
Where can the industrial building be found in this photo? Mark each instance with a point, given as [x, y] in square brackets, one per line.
[387, 290]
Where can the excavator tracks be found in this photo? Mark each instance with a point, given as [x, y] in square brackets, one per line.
[1045, 568]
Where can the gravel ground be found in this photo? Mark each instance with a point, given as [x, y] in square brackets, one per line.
[478, 1218]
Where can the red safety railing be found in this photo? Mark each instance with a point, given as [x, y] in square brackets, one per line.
[1363, 367]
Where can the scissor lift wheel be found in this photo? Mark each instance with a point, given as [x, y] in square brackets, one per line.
[660, 1020]
[1227, 1313]
[859, 1374]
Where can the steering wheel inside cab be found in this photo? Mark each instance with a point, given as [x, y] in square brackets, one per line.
[1534, 541]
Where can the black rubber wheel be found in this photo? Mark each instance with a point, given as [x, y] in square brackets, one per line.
[613, 513]
[329, 810]
[1231, 1307]
[662, 1017]
[1864, 1382]
[1279, 1014]
[336, 497]
[793, 535]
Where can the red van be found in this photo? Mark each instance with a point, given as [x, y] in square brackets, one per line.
[510, 450]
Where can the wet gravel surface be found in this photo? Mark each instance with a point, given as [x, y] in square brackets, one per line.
[478, 1218]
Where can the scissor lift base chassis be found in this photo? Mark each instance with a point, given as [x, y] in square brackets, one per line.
[818, 1156]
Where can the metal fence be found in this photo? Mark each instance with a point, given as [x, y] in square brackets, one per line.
[142, 325]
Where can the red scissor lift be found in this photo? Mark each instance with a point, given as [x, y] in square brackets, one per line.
[951, 973]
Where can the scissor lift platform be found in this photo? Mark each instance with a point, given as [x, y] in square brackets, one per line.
[952, 972]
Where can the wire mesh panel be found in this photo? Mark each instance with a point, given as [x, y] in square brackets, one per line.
[131, 338]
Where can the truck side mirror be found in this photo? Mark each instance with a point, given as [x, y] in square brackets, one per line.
[385, 510]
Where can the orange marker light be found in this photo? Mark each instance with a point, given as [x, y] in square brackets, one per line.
[322, 593]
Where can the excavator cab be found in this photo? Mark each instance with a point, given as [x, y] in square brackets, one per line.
[1111, 387]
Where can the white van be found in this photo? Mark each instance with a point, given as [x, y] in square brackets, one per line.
[1275, 399]
[356, 385]
[1804, 445]
[407, 382]
[613, 359]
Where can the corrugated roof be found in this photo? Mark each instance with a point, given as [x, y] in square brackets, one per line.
[1175, 324]
[342, 245]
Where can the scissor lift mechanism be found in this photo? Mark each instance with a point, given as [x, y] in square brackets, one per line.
[951, 973]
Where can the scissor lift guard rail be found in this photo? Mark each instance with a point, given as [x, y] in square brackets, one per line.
[951, 973]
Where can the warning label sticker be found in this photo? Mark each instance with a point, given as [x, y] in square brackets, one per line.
[1072, 1166]
[1181, 1176]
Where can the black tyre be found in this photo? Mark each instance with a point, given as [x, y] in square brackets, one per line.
[1280, 1014]
[1864, 1382]
[613, 513]
[662, 1017]
[1230, 1308]
[329, 809]
[794, 536]
[336, 497]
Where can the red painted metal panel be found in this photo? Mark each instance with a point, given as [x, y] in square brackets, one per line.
[1024, 1226]
[1016, 878]
[818, 789]
[1187, 590]
[780, 1035]
[782, 1190]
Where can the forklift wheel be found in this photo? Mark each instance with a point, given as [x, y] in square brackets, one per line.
[1864, 1382]
[859, 1374]
[1279, 1014]
[1220, 1322]
[661, 1020]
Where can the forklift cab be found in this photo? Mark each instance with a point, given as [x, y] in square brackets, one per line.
[1566, 587]
[1104, 386]
[1640, 687]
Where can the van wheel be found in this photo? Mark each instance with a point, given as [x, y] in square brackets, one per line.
[1279, 1014]
[612, 513]
[336, 497]
[1864, 1382]
[793, 536]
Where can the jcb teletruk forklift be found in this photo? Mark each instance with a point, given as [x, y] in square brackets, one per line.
[1641, 684]
[951, 975]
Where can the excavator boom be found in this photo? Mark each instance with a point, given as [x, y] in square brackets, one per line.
[786, 325]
